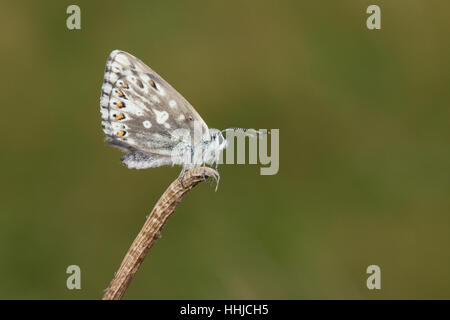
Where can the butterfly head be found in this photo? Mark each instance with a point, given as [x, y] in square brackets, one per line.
[218, 141]
[217, 138]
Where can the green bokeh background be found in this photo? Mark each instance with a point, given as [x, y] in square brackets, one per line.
[364, 150]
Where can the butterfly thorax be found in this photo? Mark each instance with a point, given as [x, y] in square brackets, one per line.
[192, 155]
[214, 147]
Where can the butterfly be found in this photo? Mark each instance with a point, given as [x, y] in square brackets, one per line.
[149, 120]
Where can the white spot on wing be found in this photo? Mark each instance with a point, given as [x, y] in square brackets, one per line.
[107, 87]
[104, 113]
[173, 104]
[181, 117]
[161, 116]
[107, 127]
[104, 101]
[117, 126]
[113, 77]
[160, 89]
[147, 124]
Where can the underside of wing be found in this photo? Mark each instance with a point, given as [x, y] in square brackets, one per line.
[141, 112]
[142, 160]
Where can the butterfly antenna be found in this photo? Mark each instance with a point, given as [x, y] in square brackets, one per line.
[247, 132]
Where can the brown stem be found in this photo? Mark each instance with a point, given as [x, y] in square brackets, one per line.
[165, 206]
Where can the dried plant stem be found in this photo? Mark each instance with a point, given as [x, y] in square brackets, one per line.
[165, 206]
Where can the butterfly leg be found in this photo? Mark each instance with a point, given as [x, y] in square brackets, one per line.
[217, 179]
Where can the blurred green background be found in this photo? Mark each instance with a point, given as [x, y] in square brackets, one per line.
[364, 150]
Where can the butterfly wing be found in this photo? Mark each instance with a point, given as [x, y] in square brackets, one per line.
[141, 111]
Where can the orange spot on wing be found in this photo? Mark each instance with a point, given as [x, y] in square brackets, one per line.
[120, 105]
[120, 93]
[121, 133]
[120, 116]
